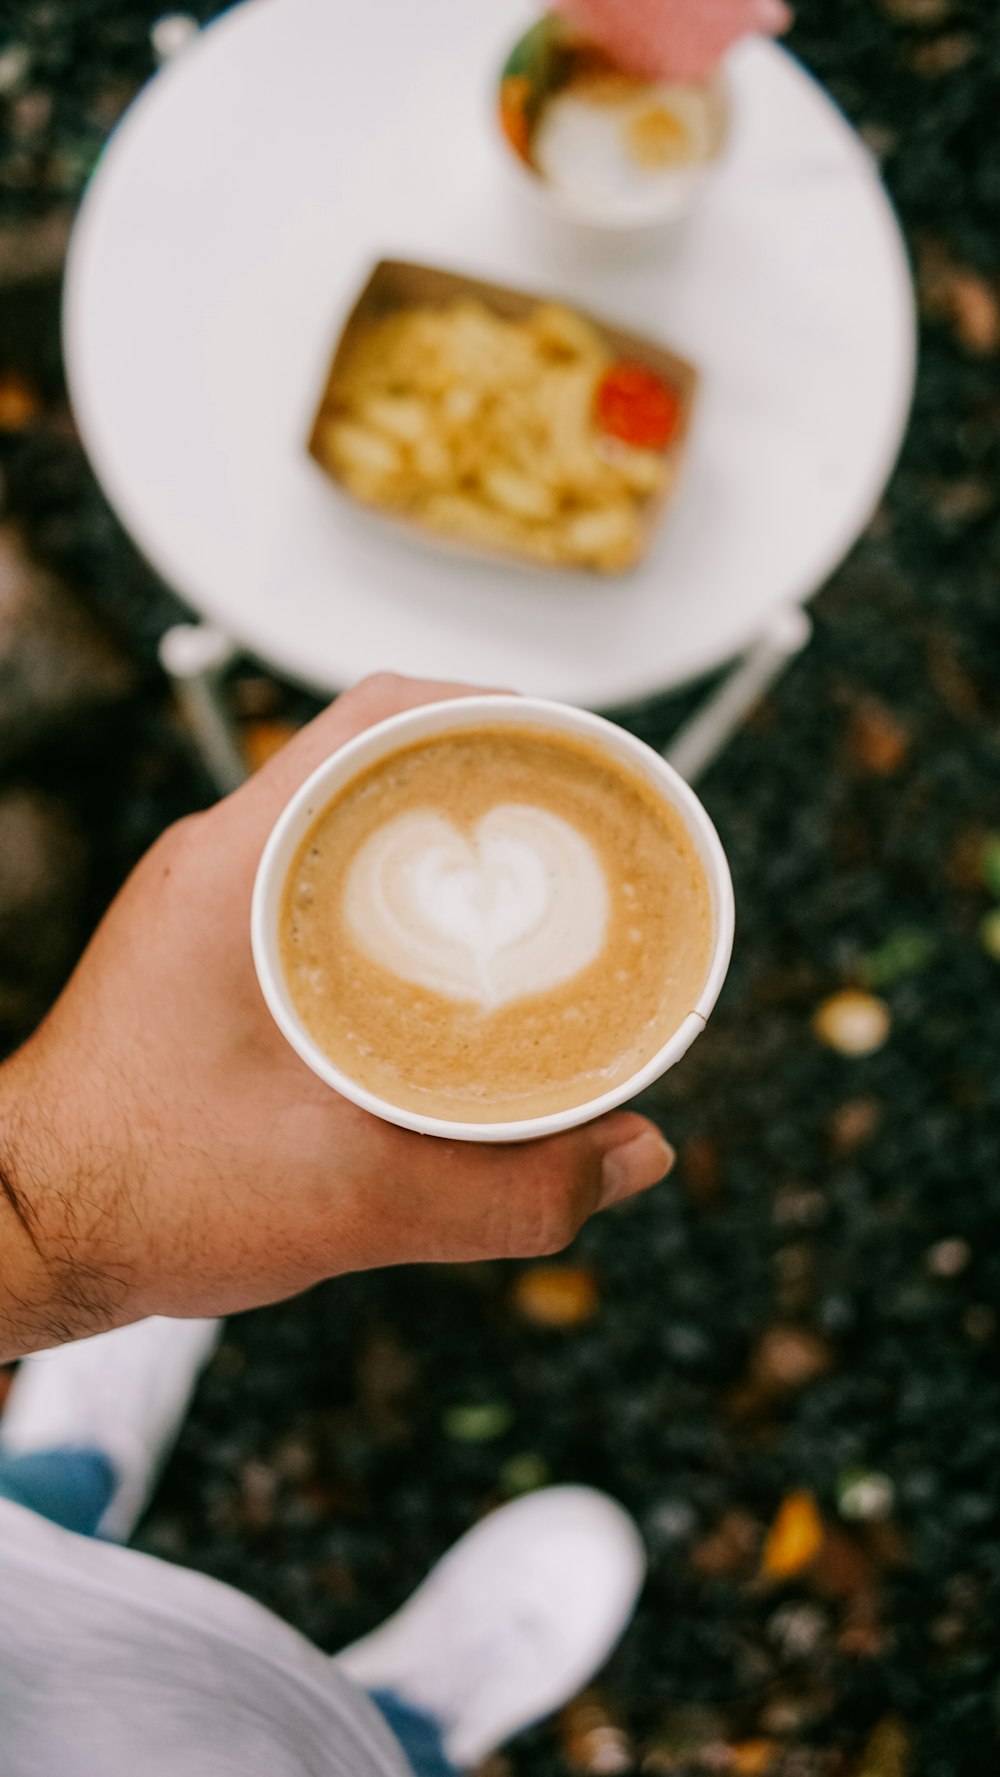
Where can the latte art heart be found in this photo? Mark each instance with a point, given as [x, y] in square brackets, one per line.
[495, 924]
[516, 907]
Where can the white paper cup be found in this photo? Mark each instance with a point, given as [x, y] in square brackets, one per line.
[430, 720]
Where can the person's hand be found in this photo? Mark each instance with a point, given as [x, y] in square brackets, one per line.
[673, 39]
[165, 1151]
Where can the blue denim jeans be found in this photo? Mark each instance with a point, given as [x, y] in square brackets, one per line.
[73, 1487]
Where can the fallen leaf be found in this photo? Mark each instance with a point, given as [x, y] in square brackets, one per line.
[591, 1740]
[887, 1753]
[918, 12]
[842, 1567]
[948, 1258]
[754, 1758]
[975, 313]
[729, 1547]
[865, 1640]
[877, 740]
[794, 1539]
[963, 500]
[798, 1206]
[556, 1295]
[477, 1422]
[262, 740]
[524, 1472]
[853, 1124]
[942, 55]
[787, 1357]
[19, 402]
[793, 1268]
[698, 1171]
[989, 863]
[904, 952]
[958, 295]
[852, 1022]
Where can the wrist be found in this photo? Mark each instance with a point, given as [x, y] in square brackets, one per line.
[59, 1279]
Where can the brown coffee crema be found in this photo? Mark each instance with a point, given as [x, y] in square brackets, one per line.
[495, 924]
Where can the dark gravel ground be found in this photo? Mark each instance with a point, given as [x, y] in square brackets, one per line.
[814, 1295]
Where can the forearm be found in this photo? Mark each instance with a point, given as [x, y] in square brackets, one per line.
[58, 1279]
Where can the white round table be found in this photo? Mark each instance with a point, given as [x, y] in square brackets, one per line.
[241, 203]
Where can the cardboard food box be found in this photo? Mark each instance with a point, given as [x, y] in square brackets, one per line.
[396, 285]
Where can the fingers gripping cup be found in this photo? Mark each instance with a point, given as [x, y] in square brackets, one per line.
[492, 918]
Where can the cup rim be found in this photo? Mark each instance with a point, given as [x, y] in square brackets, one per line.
[340, 768]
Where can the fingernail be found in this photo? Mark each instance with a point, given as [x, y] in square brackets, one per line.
[635, 1166]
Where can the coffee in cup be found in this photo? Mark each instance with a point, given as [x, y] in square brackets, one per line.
[495, 924]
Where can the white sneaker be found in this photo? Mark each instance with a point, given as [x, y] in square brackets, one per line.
[512, 1622]
[124, 1393]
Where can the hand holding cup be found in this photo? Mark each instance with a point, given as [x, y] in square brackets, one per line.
[163, 1149]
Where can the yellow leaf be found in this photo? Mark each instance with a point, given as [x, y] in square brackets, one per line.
[887, 1753]
[753, 1758]
[794, 1539]
[556, 1295]
[19, 402]
[261, 740]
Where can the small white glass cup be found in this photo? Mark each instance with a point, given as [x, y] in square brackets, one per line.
[535, 716]
[676, 192]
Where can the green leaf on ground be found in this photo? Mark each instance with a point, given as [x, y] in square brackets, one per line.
[989, 863]
[477, 1422]
[903, 952]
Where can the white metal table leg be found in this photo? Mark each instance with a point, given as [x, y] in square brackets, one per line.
[193, 656]
[702, 739]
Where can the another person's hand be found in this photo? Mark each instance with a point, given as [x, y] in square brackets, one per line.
[163, 1150]
[673, 39]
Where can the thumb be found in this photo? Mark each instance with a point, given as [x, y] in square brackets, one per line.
[634, 1155]
[549, 1188]
[463, 1200]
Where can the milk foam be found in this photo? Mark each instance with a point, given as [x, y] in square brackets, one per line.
[518, 906]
